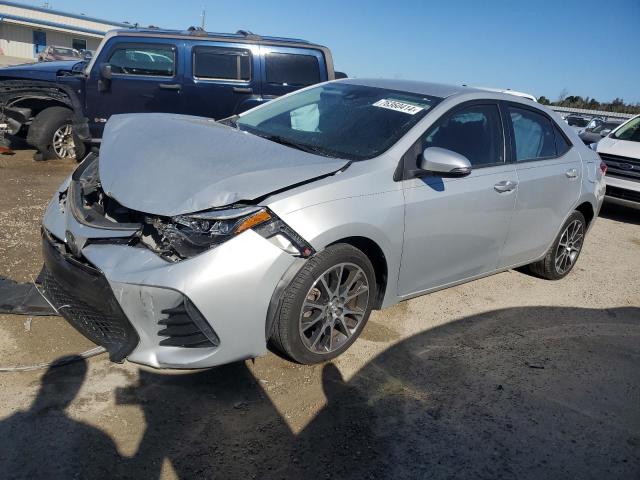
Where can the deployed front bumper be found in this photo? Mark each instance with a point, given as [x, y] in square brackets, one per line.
[151, 311]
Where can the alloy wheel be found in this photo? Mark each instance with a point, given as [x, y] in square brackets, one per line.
[63, 144]
[569, 246]
[334, 308]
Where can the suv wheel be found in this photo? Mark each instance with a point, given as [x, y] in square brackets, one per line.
[326, 306]
[52, 134]
[564, 252]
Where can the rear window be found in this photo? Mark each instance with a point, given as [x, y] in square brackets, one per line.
[534, 136]
[222, 63]
[289, 69]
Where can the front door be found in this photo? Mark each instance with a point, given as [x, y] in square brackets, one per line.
[549, 176]
[145, 78]
[455, 228]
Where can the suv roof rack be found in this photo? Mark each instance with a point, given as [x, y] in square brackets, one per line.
[248, 34]
[196, 31]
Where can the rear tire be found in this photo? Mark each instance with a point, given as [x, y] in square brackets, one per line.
[326, 305]
[52, 134]
[564, 253]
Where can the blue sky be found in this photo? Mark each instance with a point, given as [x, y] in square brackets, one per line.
[589, 47]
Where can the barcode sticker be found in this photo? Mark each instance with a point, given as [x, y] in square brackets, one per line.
[398, 106]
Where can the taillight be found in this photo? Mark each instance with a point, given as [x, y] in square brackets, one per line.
[603, 167]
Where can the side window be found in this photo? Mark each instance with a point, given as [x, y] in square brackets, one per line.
[562, 144]
[157, 60]
[222, 63]
[289, 69]
[475, 132]
[533, 133]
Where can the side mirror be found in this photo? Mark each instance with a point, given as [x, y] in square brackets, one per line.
[443, 163]
[339, 75]
[605, 132]
[104, 82]
[105, 71]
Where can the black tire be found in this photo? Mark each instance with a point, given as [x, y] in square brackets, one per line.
[287, 337]
[547, 267]
[42, 130]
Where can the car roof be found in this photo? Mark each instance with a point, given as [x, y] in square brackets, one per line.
[199, 34]
[422, 88]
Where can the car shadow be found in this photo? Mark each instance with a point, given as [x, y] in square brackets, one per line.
[620, 213]
[531, 392]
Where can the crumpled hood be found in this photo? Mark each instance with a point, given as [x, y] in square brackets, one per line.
[169, 165]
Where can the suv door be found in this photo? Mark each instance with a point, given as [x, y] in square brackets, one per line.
[455, 228]
[221, 79]
[288, 69]
[549, 177]
[145, 78]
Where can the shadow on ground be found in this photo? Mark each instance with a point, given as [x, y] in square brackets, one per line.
[620, 213]
[518, 393]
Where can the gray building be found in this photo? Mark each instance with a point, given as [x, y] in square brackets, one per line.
[26, 30]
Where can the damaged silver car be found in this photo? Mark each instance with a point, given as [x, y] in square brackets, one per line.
[190, 243]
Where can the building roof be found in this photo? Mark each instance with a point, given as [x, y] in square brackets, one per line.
[60, 12]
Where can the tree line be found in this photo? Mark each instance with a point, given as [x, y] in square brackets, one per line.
[617, 105]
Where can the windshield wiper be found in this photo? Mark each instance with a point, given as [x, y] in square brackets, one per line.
[300, 146]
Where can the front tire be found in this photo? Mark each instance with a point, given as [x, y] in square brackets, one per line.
[52, 134]
[564, 253]
[326, 305]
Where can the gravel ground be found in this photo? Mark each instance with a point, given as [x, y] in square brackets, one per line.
[509, 376]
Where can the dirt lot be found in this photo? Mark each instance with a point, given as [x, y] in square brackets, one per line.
[510, 376]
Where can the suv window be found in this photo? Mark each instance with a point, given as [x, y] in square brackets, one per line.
[156, 60]
[475, 132]
[222, 63]
[533, 134]
[289, 69]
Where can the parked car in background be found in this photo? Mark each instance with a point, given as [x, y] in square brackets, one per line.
[577, 122]
[53, 53]
[63, 106]
[190, 243]
[620, 150]
[601, 129]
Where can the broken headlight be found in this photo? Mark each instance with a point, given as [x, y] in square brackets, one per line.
[185, 236]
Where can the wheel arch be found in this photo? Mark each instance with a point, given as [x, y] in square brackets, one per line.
[376, 256]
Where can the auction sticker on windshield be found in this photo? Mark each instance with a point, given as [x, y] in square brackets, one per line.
[398, 106]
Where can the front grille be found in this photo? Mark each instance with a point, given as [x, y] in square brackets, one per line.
[622, 166]
[623, 194]
[82, 295]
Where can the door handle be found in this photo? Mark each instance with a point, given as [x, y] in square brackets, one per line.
[572, 173]
[505, 186]
[170, 86]
[243, 89]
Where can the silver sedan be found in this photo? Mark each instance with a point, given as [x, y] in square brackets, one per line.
[190, 243]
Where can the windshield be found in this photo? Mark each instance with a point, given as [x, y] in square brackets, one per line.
[339, 119]
[577, 121]
[604, 126]
[66, 51]
[630, 131]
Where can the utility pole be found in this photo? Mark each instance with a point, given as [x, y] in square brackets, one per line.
[202, 18]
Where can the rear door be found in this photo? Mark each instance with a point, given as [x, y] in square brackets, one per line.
[146, 77]
[288, 69]
[549, 177]
[221, 78]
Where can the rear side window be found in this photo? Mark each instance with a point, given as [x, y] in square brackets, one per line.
[533, 133]
[562, 144]
[222, 63]
[158, 60]
[289, 69]
[475, 132]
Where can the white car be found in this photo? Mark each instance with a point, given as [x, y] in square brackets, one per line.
[620, 150]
